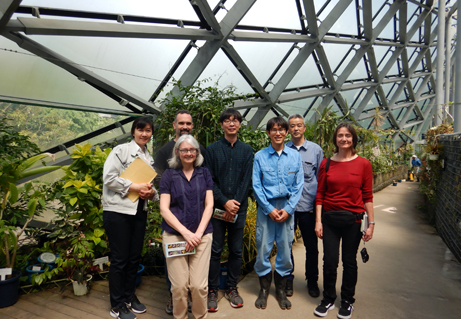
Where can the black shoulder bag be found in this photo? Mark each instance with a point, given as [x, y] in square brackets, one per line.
[338, 218]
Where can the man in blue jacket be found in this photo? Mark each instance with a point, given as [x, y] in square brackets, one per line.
[277, 184]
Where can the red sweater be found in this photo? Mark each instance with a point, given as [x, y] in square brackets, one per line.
[350, 185]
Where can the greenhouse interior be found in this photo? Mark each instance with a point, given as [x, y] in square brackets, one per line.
[77, 74]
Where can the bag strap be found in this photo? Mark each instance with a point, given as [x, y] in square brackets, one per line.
[327, 166]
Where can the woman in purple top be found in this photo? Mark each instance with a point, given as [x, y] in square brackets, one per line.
[186, 205]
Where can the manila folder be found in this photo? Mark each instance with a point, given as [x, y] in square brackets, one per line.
[138, 172]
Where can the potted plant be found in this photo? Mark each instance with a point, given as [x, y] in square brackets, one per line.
[432, 140]
[18, 205]
[77, 264]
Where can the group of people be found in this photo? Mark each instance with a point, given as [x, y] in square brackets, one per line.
[204, 198]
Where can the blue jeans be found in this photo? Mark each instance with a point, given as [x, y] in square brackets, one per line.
[126, 236]
[234, 242]
[306, 223]
[268, 232]
[350, 237]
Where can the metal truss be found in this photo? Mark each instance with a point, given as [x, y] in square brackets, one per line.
[401, 84]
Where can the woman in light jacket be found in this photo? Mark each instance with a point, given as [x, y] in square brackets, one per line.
[186, 204]
[125, 221]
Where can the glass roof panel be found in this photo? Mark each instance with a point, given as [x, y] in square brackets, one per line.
[221, 70]
[335, 53]
[137, 65]
[347, 22]
[51, 127]
[273, 13]
[176, 9]
[319, 4]
[296, 107]
[32, 77]
[359, 72]
[262, 58]
[307, 75]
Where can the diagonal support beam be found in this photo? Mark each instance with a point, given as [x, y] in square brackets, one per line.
[7, 8]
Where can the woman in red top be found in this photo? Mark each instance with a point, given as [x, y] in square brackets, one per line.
[347, 185]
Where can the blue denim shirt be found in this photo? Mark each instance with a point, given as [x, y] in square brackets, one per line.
[277, 177]
[311, 157]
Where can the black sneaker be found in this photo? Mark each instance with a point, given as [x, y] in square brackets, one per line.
[122, 312]
[234, 298]
[169, 305]
[313, 289]
[212, 301]
[345, 312]
[134, 305]
[323, 308]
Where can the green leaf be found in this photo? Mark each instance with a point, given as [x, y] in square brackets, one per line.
[13, 193]
[72, 201]
[31, 206]
[97, 240]
[98, 232]
[42, 202]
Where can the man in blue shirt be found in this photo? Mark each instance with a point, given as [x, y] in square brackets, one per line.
[277, 184]
[416, 164]
[311, 157]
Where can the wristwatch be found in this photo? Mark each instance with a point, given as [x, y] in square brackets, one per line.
[372, 223]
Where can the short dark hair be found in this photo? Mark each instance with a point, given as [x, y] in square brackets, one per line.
[141, 122]
[182, 112]
[228, 113]
[351, 130]
[278, 120]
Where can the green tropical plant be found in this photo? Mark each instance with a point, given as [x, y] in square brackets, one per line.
[80, 192]
[18, 204]
[205, 104]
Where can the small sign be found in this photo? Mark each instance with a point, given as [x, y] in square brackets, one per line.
[177, 249]
[5, 272]
[101, 261]
[36, 268]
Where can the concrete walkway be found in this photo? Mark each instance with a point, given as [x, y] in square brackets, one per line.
[410, 274]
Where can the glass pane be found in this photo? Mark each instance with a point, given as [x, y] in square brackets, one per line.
[262, 58]
[307, 75]
[347, 22]
[221, 70]
[34, 78]
[335, 53]
[273, 13]
[51, 127]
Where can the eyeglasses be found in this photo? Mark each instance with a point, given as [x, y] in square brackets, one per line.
[280, 130]
[227, 122]
[185, 151]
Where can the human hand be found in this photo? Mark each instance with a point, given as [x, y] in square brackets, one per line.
[192, 239]
[146, 194]
[283, 216]
[228, 216]
[274, 215]
[319, 230]
[369, 233]
[232, 206]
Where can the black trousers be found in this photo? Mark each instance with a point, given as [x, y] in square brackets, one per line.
[350, 237]
[126, 237]
[306, 223]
